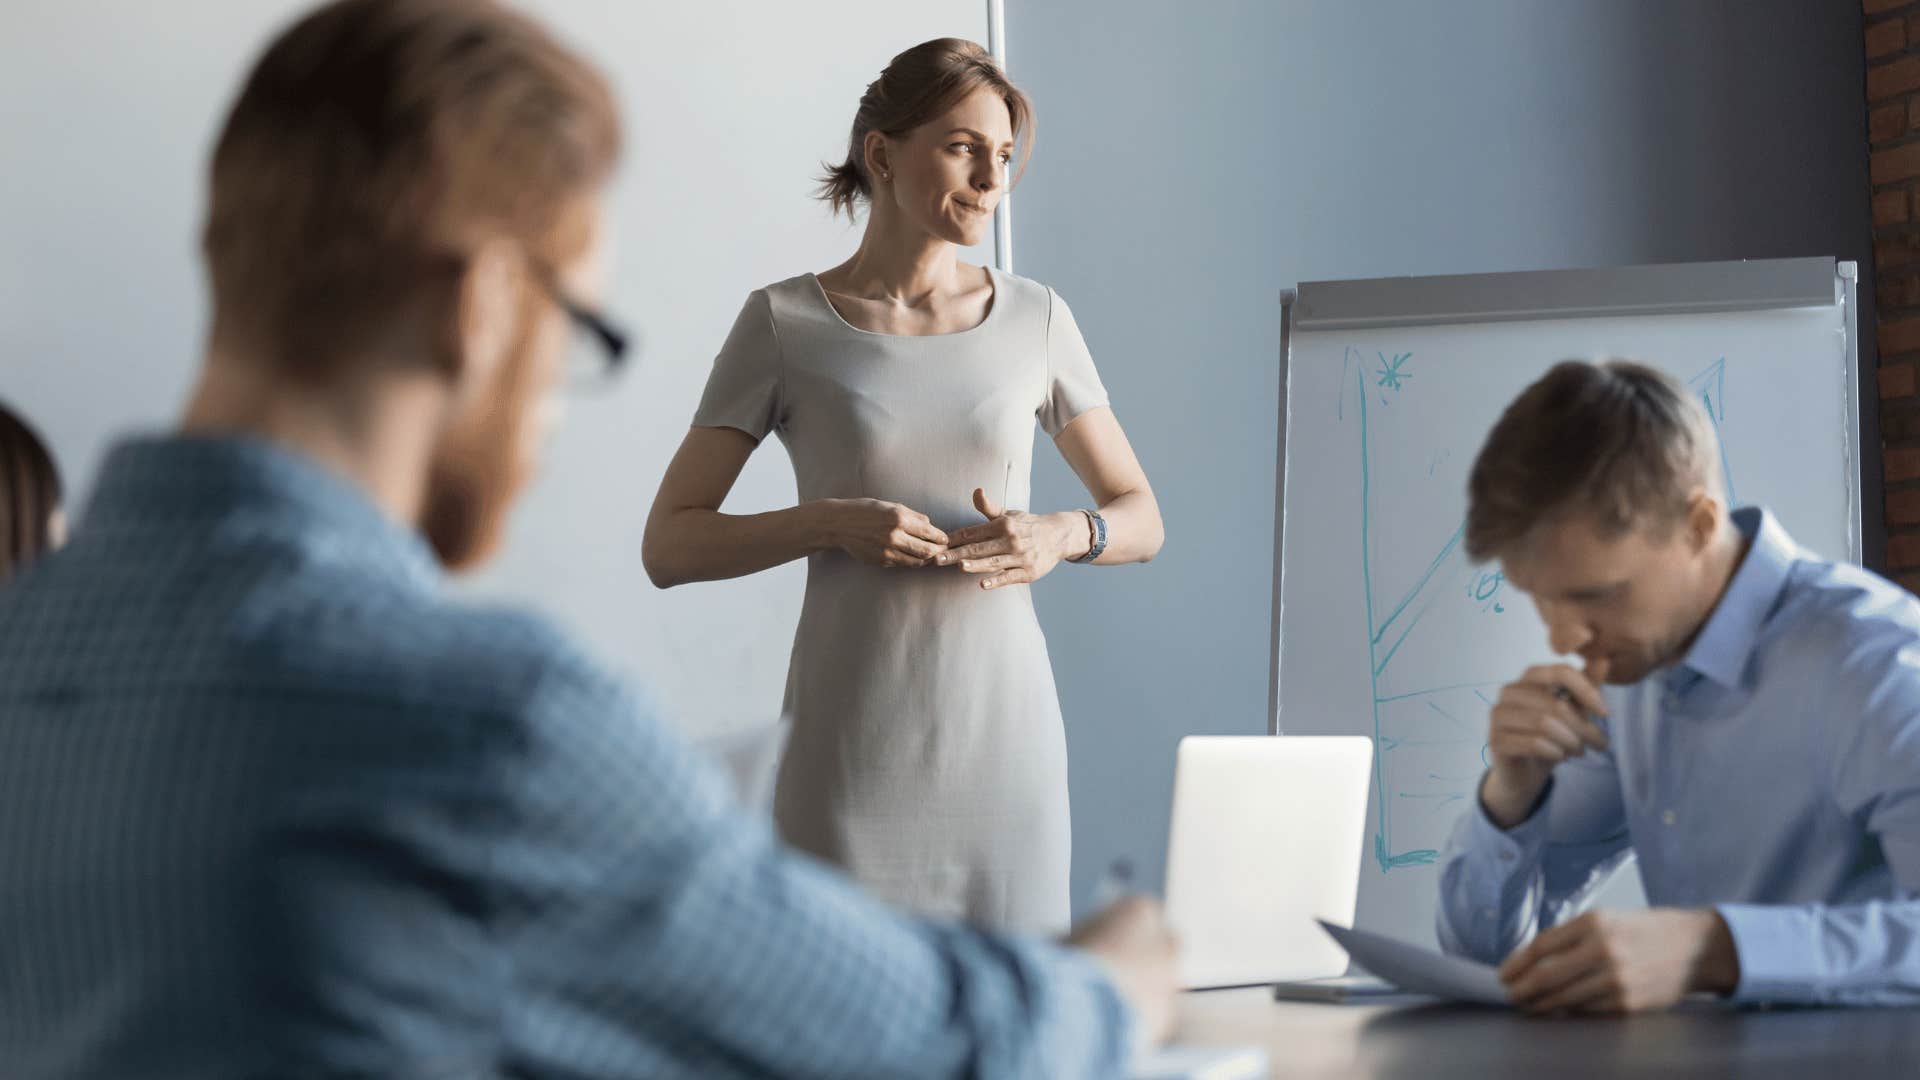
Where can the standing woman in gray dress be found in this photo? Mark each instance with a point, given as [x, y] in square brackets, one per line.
[927, 755]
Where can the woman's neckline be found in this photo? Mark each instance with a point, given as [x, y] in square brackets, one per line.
[993, 309]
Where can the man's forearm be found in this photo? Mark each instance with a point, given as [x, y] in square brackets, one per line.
[1815, 954]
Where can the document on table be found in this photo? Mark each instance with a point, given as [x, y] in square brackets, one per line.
[1422, 971]
[1201, 1063]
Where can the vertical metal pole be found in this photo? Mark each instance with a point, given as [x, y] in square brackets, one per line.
[1288, 297]
[1847, 284]
[1003, 215]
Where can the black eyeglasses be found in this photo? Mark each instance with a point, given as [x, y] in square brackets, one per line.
[612, 345]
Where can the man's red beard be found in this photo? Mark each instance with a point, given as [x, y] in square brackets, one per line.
[464, 514]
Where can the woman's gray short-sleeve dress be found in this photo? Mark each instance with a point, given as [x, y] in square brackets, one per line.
[927, 754]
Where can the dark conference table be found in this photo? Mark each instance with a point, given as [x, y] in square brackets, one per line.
[1421, 1038]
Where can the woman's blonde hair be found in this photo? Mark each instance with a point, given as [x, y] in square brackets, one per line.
[917, 86]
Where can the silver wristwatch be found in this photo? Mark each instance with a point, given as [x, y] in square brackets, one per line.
[1097, 527]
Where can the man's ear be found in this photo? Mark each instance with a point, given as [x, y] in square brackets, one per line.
[1704, 519]
[482, 322]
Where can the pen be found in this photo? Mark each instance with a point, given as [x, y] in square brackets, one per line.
[1561, 693]
[1566, 695]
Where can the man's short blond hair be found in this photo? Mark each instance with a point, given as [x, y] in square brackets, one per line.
[1618, 442]
[371, 145]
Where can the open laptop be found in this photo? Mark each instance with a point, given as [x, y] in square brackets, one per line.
[1266, 839]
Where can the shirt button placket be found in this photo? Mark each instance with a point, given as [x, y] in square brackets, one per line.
[1672, 762]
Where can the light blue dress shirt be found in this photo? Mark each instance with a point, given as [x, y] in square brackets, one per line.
[274, 803]
[1773, 773]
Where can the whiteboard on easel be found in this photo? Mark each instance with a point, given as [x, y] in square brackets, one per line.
[1382, 626]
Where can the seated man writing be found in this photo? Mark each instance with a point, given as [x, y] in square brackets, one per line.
[1745, 719]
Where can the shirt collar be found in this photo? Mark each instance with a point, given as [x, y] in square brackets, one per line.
[211, 481]
[1727, 640]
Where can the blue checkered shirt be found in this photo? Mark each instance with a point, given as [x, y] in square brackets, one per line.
[271, 804]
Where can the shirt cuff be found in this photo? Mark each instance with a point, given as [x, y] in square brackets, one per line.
[1131, 1038]
[1494, 862]
[1515, 847]
[1777, 952]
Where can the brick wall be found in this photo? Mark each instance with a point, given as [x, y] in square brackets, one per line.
[1892, 33]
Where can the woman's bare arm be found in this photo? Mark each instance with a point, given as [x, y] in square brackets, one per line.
[689, 539]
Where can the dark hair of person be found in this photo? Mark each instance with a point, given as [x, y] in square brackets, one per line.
[29, 494]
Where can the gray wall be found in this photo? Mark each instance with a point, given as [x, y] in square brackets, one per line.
[108, 109]
[1195, 159]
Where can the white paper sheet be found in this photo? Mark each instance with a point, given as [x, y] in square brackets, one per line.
[1420, 970]
[1201, 1063]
